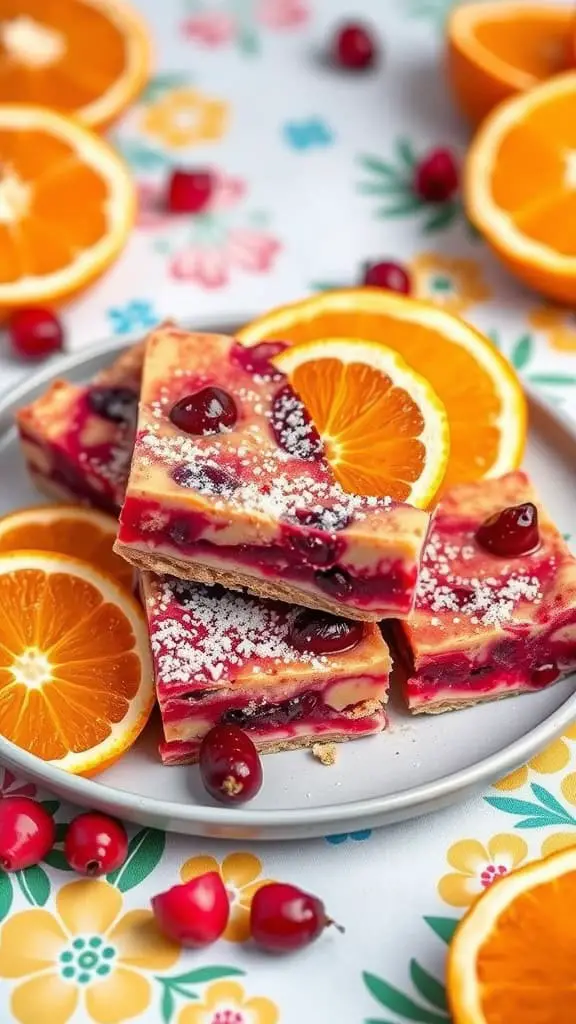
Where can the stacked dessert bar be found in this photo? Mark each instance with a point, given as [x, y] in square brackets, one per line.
[264, 582]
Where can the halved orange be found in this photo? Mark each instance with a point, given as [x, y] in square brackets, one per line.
[502, 47]
[520, 185]
[87, 58]
[511, 958]
[384, 429]
[67, 530]
[67, 204]
[76, 684]
[468, 374]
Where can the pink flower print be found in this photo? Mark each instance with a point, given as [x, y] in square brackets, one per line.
[210, 266]
[152, 213]
[282, 14]
[207, 267]
[253, 251]
[228, 191]
[212, 28]
[10, 786]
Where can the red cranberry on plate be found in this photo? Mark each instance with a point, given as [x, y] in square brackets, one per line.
[230, 766]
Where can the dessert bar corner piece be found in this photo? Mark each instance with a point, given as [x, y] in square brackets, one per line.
[290, 677]
[495, 611]
[229, 485]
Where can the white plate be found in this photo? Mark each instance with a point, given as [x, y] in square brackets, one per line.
[417, 766]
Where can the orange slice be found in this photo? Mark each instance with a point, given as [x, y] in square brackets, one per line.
[67, 530]
[76, 683]
[502, 47]
[66, 205]
[87, 58]
[511, 956]
[520, 185]
[463, 367]
[384, 429]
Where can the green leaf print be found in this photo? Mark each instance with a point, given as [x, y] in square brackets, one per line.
[165, 82]
[443, 927]
[547, 799]
[56, 859]
[522, 351]
[429, 987]
[435, 11]
[393, 181]
[178, 985]
[392, 999]
[377, 166]
[51, 806]
[327, 286]
[34, 885]
[442, 218]
[140, 156]
[552, 379]
[6, 894]
[145, 851]
[167, 1005]
[406, 154]
[548, 810]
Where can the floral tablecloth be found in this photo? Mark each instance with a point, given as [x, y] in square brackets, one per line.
[314, 170]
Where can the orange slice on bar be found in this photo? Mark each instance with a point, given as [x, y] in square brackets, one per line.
[67, 530]
[385, 431]
[511, 956]
[465, 370]
[86, 58]
[502, 47]
[76, 685]
[520, 185]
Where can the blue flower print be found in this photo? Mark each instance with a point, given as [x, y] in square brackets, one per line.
[343, 837]
[309, 133]
[134, 316]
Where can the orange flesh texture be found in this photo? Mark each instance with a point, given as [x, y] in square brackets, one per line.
[448, 368]
[529, 176]
[526, 966]
[69, 538]
[373, 424]
[93, 56]
[65, 210]
[89, 645]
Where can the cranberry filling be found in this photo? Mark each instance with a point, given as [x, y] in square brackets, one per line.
[209, 411]
[256, 360]
[320, 633]
[329, 519]
[335, 582]
[117, 404]
[317, 548]
[280, 714]
[512, 532]
[544, 674]
[210, 480]
[293, 428]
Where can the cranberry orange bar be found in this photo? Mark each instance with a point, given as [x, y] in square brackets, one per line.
[290, 677]
[229, 485]
[495, 610]
[77, 440]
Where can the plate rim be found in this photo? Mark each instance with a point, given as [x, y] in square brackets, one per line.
[91, 791]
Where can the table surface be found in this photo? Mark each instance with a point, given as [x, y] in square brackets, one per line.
[313, 168]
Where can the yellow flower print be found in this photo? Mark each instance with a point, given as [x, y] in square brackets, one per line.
[451, 283]
[240, 873]
[553, 759]
[568, 787]
[183, 117]
[478, 866]
[226, 1001]
[87, 954]
[557, 842]
[559, 326]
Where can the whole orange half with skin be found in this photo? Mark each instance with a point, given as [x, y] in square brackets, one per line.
[76, 684]
[511, 957]
[86, 58]
[466, 372]
[67, 205]
[67, 530]
[520, 186]
[384, 429]
[502, 47]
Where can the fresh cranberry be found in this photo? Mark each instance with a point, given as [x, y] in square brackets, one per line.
[209, 411]
[209, 480]
[512, 532]
[391, 276]
[284, 918]
[35, 333]
[544, 674]
[335, 582]
[293, 428]
[320, 633]
[436, 176]
[281, 714]
[230, 766]
[189, 191]
[27, 832]
[194, 914]
[354, 47]
[95, 844]
[117, 404]
[317, 549]
[256, 359]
